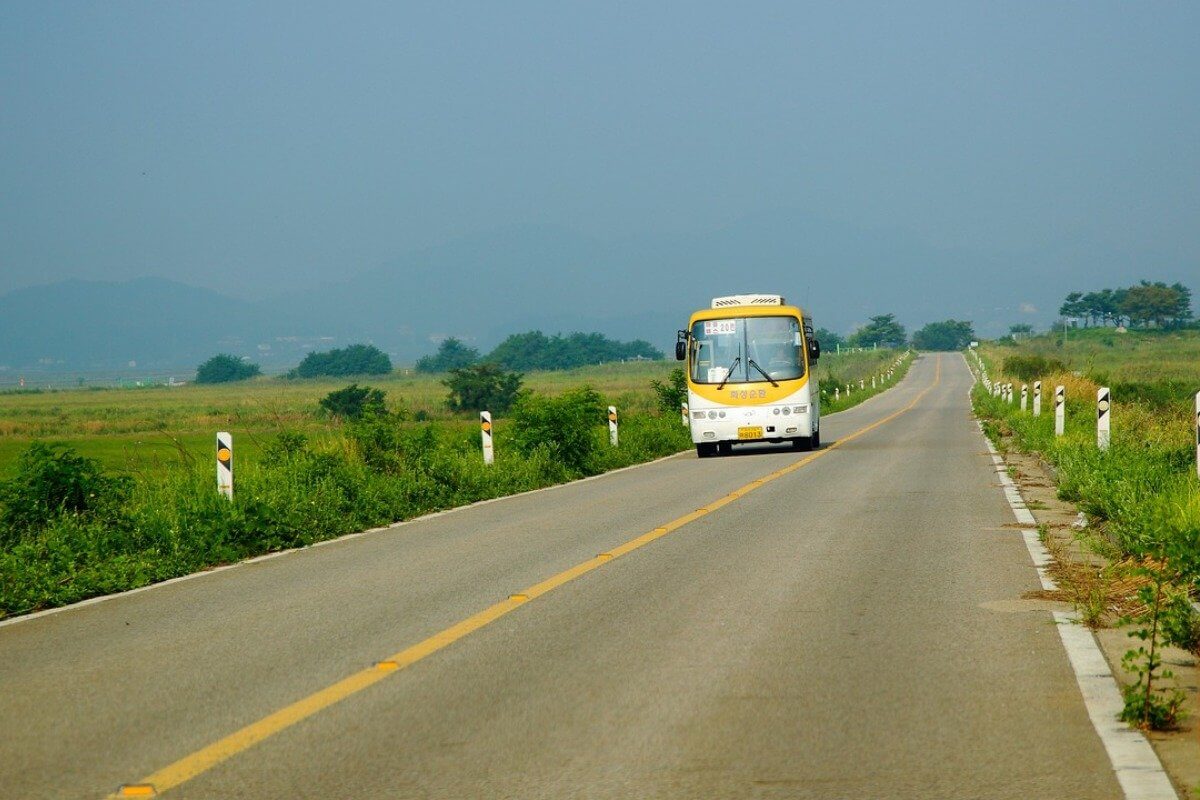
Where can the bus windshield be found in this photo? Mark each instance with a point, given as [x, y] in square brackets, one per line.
[722, 350]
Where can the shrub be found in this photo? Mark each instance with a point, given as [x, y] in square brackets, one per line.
[224, 368]
[52, 480]
[563, 427]
[1032, 367]
[353, 402]
[357, 359]
[671, 393]
[482, 387]
[451, 354]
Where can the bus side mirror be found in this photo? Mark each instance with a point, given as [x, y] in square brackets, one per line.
[814, 350]
[680, 350]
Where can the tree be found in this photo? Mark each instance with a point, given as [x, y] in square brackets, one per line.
[482, 387]
[882, 330]
[828, 339]
[535, 350]
[1016, 331]
[1073, 306]
[451, 354]
[224, 368]
[671, 393]
[1150, 302]
[1183, 306]
[357, 359]
[353, 402]
[948, 335]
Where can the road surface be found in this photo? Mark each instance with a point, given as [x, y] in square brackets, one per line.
[850, 628]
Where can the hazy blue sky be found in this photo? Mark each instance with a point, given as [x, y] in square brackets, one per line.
[256, 149]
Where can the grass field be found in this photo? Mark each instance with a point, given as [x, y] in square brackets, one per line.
[69, 531]
[1105, 355]
[141, 429]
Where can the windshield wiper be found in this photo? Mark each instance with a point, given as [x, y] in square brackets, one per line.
[763, 372]
[729, 372]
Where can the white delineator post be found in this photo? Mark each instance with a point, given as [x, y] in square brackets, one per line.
[485, 431]
[1103, 417]
[1198, 433]
[612, 425]
[1024, 396]
[225, 464]
[1037, 398]
[837, 393]
[1060, 409]
[683, 412]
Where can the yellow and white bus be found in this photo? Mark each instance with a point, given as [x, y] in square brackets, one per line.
[750, 374]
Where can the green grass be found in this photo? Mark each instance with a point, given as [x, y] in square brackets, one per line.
[1142, 492]
[1107, 356]
[299, 478]
[143, 429]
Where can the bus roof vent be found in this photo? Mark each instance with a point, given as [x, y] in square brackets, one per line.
[747, 300]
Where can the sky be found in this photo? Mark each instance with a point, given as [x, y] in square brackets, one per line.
[255, 148]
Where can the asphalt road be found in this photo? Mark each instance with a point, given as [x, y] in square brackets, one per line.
[852, 628]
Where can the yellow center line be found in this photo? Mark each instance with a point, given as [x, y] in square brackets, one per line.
[221, 750]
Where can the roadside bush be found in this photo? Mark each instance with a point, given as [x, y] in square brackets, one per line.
[224, 368]
[1032, 367]
[482, 387]
[353, 402]
[53, 480]
[564, 427]
[671, 393]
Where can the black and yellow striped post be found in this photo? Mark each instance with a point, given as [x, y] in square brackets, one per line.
[225, 464]
[485, 430]
[612, 425]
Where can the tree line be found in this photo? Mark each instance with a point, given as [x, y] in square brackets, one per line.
[884, 330]
[1141, 305]
[535, 350]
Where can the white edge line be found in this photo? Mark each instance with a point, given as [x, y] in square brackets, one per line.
[1133, 759]
[344, 537]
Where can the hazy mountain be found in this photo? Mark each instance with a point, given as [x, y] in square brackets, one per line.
[483, 287]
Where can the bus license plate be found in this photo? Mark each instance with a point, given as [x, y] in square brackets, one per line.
[750, 433]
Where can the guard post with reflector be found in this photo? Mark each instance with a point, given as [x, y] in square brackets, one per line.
[1037, 398]
[1103, 417]
[225, 464]
[485, 431]
[1060, 410]
[612, 425]
[1024, 396]
[683, 412]
[1198, 433]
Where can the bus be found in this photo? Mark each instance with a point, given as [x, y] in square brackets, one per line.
[750, 362]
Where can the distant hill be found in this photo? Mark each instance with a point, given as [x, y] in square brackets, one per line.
[484, 287]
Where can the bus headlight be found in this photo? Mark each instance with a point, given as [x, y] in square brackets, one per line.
[787, 411]
[800, 409]
[712, 415]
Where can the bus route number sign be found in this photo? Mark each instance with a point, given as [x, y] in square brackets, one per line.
[720, 327]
